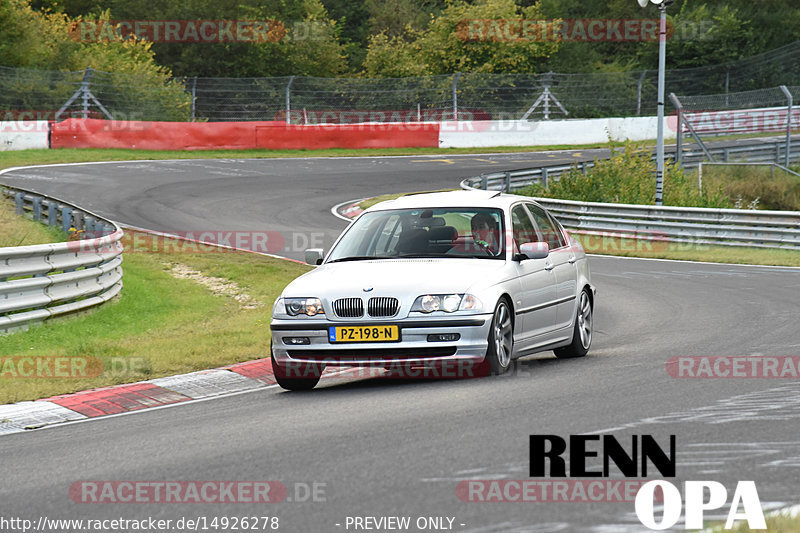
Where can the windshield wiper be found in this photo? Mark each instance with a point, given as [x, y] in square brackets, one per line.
[419, 255]
[351, 258]
[358, 258]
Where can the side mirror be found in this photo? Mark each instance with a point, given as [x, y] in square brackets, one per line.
[534, 250]
[314, 256]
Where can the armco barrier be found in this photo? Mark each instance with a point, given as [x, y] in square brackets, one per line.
[93, 133]
[47, 280]
[758, 151]
[729, 227]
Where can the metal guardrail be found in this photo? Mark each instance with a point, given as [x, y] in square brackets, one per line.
[729, 227]
[767, 152]
[42, 281]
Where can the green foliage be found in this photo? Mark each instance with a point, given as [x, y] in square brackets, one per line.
[628, 177]
[706, 33]
[33, 39]
[309, 47]
[761, 186]
[443, 48]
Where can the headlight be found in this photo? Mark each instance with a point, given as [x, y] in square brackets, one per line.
[305, 306]
[449, 303]
[470, 303]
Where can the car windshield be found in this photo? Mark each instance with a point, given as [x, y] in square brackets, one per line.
[423, 232]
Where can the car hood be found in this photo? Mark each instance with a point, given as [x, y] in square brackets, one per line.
[401, 278]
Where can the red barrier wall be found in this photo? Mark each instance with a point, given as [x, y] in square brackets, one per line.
[92, 133]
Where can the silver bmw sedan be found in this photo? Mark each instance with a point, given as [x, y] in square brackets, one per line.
[461, 282]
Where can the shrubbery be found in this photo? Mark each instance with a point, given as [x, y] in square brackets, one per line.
[628, 177]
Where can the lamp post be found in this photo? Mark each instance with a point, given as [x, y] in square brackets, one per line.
[662, 62]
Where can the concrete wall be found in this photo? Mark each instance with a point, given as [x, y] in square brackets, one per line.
[22, 135]
[554, 132]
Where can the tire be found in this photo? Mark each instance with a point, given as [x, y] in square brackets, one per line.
[582, 332]
[501, 341]
[303, 376]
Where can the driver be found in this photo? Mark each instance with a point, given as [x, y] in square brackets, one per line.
[484, 231]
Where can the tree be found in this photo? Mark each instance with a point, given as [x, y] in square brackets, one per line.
[484, 36]
[37, 40]
[308, 43]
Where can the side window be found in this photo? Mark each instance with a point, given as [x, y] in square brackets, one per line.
[522, 227]
[551, 235]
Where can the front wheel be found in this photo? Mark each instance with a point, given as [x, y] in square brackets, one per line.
[582, 333]
[298, 376]
[501, 341]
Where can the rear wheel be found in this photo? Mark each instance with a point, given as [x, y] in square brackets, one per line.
[297, 376]
[582, 333]
[501, 341]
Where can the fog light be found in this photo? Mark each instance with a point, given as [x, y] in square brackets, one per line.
[294, 341]
[444, 337]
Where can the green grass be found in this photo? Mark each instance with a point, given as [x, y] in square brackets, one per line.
[608, 245]
[158, 326]
[780, 523]
[80, 155]
[763, 187]
[17, 231]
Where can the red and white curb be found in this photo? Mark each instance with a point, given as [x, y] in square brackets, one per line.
[241, 377]
[348, 210]
[118, 399]
[158, 392]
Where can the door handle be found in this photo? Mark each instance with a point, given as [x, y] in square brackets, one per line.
[572, 259]
[548, 266]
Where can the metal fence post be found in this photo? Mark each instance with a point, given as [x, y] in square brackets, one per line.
[788, 123]
[87, 76]
[639, 93]
[19, 203]
[194, 97]
[455, 96]
[66, 219]
[508, 182]
[37, 208]
[679, 132]
[484, 182]
[52, 213]
[288, 100]
[544, 177]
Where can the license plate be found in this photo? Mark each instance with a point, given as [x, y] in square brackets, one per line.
[364, 333]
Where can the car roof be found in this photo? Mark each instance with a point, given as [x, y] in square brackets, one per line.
[461, 198]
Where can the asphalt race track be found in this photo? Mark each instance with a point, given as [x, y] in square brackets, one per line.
[400, 448]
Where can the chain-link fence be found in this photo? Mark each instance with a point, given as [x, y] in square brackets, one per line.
[769, 110]
[468, 96]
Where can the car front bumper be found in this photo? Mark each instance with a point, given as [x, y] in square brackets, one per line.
[414, 348]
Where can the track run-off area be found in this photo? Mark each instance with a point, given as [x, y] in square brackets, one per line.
[378, 447]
